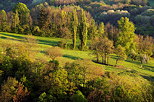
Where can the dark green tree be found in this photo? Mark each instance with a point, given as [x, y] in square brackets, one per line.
[78, 97]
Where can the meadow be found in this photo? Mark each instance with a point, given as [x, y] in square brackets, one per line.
[127, 67]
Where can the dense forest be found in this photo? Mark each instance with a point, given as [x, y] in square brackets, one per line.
[35, 34]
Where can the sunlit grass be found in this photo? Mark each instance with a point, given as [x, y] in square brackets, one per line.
[128, 66]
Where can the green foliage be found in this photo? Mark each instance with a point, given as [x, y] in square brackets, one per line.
[84, 30]
[101, 30]
[105, 47]
[13, 90]
[51, 81]
[78, 97]
[54, 52]
[82, 71]
[75, 26]
[57, 80]
[24, 13]
[45, 98]
[126, 34]
[15, 22]
[3, 21]
[121, 54]
[121, 88]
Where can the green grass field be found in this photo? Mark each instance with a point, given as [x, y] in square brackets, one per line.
[126, 67]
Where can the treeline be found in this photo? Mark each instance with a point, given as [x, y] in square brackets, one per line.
[43, 20]
[123, 42]
[107, 11]
[64, 2]
[72, 22]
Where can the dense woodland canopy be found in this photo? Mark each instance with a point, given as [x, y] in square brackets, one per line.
[120, 28]
[107, 11]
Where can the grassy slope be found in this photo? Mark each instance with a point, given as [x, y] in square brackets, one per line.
[128, 66]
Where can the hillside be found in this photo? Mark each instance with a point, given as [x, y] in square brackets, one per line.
[127, 67]
[76, 51]
[9, 4]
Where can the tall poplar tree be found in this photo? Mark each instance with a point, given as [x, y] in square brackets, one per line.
[84, 30]
[15, 22]
[101, 30]
[93, 31]
[75, 26]
[3, 20]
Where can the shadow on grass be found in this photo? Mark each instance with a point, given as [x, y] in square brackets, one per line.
[144, 66]
[2, 37]
[150, 78]
[134, 62]
[12, 39]
[102, 63]
[46, 42]
[149, 68]
[71, 57]
[15, 36]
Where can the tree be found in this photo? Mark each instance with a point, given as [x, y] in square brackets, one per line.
[111, 32]
[21, 93]
[56, 83]
[145, 46]
[12, 90]
[95, 48]
[120, 52]
[84, 30]
[24, 13]
[82, 71]
[74, 26]
[101, 30]
[126, 34]
[105, 47]
[15, 22]
[78, 97]
[3, 20]
[93, 32]
[54, 52]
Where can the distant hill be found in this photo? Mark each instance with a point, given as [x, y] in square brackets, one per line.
[151, 2]
[9, 4]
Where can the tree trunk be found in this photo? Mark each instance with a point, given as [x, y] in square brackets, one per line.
[117, 61]
[97, 57]
[105, 61]
[102, 59]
